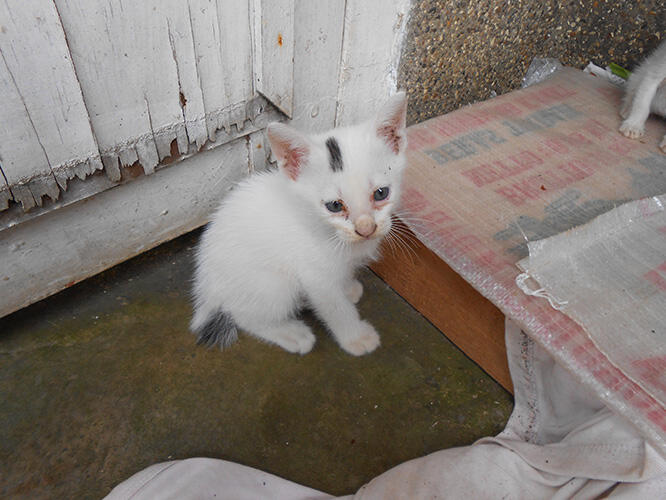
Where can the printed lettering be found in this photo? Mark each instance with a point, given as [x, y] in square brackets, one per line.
[464, 146]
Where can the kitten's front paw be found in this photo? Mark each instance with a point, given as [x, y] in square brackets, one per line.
[295, 337]
[662, 145]
[631, 129]
[366, 340]
[625, 110]
[354, 291]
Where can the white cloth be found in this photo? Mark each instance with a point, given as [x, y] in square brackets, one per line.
[560, 442]
[208, 478]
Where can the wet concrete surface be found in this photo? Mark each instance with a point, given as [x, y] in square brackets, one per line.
[104, 379]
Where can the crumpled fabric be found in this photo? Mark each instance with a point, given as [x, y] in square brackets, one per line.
[560, 442]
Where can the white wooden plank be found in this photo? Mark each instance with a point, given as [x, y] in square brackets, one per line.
[45, 134]
[223, 53]
[159, 70]
[137, 68]
[373, 36]
[258, 152]
[209, 52]
[233, 18]
[318, 30]
[79, 190]
[146, 212]
[123, 60]
[5, 192]
[21, 155]
[274, 51]
[180, 26]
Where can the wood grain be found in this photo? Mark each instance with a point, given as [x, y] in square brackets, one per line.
[463, 315]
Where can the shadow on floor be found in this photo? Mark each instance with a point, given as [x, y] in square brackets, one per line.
[104, 379]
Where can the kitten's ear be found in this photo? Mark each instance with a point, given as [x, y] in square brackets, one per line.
[291, 148]
[391, 122]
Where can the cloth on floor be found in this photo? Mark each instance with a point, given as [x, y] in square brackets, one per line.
[199, 478]
[560, 442]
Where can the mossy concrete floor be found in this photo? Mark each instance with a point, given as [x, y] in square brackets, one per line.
[104, 379]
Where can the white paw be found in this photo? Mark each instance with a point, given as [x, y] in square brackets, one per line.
[366, 340]
[631, 129]
[354, 291]
[295, 337]
[626, 107]
[662, 145]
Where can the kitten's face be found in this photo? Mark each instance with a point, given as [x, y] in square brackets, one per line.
[355, 182]
[352, 175]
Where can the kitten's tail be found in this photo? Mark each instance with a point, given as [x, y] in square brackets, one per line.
[216, 329]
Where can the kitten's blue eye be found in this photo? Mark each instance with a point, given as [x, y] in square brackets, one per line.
[381, 193]
[334, 206]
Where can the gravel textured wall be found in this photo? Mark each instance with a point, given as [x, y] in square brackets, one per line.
[459, 52]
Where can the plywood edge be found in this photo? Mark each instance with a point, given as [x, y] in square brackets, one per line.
[450, 303]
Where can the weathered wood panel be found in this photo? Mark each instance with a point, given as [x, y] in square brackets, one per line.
[45, 134]
[146, 212]
[79, 190]
[373, 35]
[133, 62]
[318, 31]
[274, 51]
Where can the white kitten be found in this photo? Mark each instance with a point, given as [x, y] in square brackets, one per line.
[294, 236]
[645, 93]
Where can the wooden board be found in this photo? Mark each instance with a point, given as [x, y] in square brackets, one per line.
[116, 225]
[371, 47]
[274, 52]
[45, 133]
[465, 317]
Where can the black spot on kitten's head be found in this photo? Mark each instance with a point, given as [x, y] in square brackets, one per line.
[334, 154]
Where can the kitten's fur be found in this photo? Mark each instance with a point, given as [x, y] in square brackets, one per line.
[645, 93]
[273, 246]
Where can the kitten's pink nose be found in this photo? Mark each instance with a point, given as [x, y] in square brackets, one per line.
[365, 226]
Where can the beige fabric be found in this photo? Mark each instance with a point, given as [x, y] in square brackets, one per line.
[208, 478]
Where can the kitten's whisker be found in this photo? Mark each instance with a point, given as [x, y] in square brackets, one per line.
[389, 241]
[406, 234]
[403, 234]
[397, 243]
[405, 243]
[409, 217]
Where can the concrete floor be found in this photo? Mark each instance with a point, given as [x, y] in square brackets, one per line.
[104, 379]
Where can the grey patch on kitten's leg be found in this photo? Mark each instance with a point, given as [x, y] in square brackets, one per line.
[218, 329]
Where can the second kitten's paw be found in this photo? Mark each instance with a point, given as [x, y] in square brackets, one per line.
[354, 291]
[366, 340]
[662, 145]
[631, 129]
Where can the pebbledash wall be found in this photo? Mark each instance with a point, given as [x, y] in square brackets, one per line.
[458, 53]
[124, 123]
